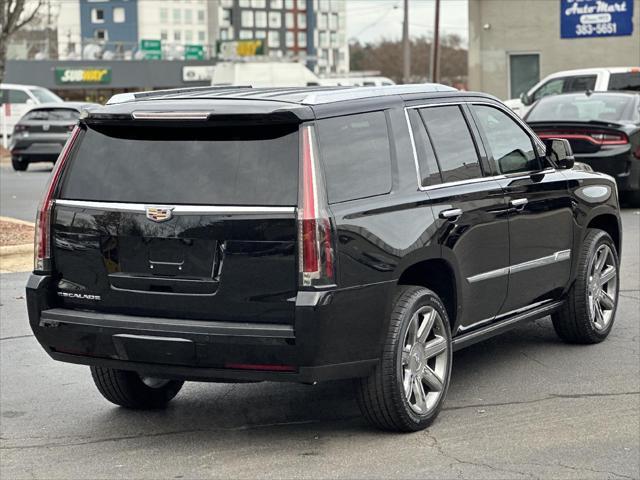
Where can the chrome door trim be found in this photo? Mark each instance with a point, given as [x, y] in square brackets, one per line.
[177, 209]
[559, 256]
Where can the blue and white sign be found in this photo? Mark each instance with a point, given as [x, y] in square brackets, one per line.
[596, 18]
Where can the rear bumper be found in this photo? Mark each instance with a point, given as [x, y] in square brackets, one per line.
[318, 347]
[619, 163]
[38, 148]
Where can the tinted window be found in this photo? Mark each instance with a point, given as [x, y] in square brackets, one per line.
[615, 107]
[625, 81]
[165, 165]
[16, 96]
[579, 84]
[511, 147]
[427, 164]
[53, 115]
[356, 156]
[452, 143]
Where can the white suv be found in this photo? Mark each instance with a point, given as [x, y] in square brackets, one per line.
[600, 79]
[17, 99]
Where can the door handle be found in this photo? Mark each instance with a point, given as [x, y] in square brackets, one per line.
[519, 203]
[451, 214]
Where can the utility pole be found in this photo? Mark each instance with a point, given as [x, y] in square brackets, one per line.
[406, 54]
[435, 47]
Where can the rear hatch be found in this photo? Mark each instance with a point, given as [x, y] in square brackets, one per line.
[185, 220]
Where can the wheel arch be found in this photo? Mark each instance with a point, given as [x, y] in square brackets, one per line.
[609, 223]
[437, 275]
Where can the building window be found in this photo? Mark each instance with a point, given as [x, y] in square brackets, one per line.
[101, 34]
[201, 36]
[323, 5]
[289, 39]
[119, 15]
[289, 20]
[247, 18]
[289, 4]
[276, 4]
[164, 15]
[227, 3]
[246, 34]
[302, 39]
[225, 17]
[188, 16]
[164, 35]
[177, 15]
[334, 39]
[333, 21]
[177, 36]
[275, 20]
[224, 34]
[259, 3]
[322, 21]
[188, 35]
[245, 3]
[274, 39]
[302, 20]
[260, 34]
[200, 16]
[324, 39]
[97, 15]
[261, 19]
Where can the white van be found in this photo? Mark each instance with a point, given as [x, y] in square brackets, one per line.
[17, 99]
[263, 74]
[595, 79]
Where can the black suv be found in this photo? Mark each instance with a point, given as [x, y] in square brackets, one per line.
[302, 235]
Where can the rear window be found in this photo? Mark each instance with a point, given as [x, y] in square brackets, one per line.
[53, 115]
[356, 156]
[583, 108]
[250, 165]
[625, 81]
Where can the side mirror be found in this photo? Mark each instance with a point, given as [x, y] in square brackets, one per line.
[559, 152]
[524, 99]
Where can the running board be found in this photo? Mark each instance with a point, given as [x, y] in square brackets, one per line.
[502, 326]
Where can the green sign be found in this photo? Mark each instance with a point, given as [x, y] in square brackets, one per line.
[193, 52]
[71, 76]
[240, 48]
[152, 49]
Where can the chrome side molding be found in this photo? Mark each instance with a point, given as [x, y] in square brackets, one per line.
[560, 256]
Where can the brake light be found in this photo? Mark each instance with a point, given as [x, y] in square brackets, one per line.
[597, 137]
[315, 233]
[42, 243]
[19, 128]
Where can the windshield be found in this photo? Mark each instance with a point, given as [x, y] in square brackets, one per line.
[45, 96]
[244, 165]
[583, 108]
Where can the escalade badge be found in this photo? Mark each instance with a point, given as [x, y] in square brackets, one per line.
[159, 214]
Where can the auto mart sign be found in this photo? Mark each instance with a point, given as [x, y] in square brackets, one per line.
[596, 18]
[75, 76]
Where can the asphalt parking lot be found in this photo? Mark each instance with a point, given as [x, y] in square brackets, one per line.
[522, 405]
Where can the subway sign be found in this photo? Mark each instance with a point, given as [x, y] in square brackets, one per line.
[82, 76]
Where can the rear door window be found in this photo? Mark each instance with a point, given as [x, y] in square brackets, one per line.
[579, 84]
[16, 96]
[452, 142]
[246, 165]
[356, 155]
[511, 147]
[625, 81]
[428, 170]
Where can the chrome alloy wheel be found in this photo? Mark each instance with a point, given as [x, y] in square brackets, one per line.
[602, 287]
[154, 382]
[425, 353]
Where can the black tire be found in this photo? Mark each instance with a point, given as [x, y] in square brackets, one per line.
[381, 396]
[127, 389]
[18, 164]
[574, 322]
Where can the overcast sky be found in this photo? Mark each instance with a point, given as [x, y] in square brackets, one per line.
[371, 20]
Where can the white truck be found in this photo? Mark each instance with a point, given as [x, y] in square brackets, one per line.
[263, 74]
[596, 79]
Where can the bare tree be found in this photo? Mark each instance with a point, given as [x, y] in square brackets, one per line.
[12, 18]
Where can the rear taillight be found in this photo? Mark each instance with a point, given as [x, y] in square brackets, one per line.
[315, 232]
[597, 137]
[42, 242]
[19, 128]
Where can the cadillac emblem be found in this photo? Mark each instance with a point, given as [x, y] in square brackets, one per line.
[159, 214]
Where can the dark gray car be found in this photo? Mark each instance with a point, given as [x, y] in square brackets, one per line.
[42, 132]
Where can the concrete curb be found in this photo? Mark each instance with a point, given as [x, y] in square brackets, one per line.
[17, 221]
[16, 249]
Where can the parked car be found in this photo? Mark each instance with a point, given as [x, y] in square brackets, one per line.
[42, 132]
[17, 99]
[304, 235]
[600, 79]
[603, 129]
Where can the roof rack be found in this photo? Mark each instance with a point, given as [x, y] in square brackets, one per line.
[354, 93]
[132, 97]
